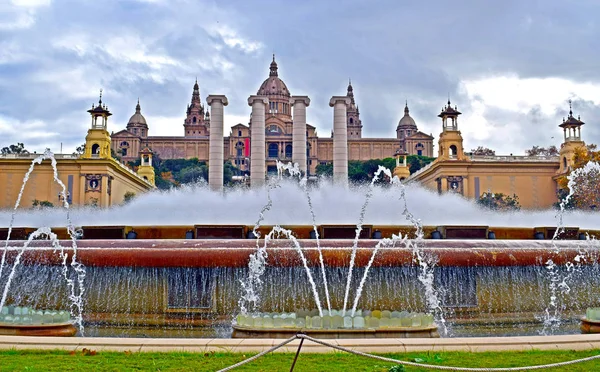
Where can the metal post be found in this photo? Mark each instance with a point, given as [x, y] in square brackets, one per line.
[297, 353]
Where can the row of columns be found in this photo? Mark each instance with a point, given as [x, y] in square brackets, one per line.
[257, 138]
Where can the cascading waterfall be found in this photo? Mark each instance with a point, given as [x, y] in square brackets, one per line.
[558, 282]
[294, 171]
[256, 265]
[361, 219]
[76, 287]
[427, 265]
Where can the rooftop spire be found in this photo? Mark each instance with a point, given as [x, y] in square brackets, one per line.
[406, 108]
[273, 67]
[137, 107]
[100, 100]
[570, 108]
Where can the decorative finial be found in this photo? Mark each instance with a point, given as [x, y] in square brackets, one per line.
[570, 109]
[137, 107]
[448, 98]
[273, 67]
[100, 100]
[406, 108]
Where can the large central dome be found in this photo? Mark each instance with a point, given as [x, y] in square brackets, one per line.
[273, 86]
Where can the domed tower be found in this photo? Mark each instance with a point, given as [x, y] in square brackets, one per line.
[197, 122]
[278, 119]
[279, 96]
[97, 141]
[353, 123]
[137, 123]
[406, 126]
[572, 133]
[451, 141]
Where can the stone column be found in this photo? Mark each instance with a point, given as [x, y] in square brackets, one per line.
[257, 140]
[299, 104]
[340, 139]
[215, 144]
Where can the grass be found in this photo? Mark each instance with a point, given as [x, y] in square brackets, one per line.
[89, 360]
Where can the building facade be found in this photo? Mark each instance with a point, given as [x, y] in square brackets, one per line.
[93, 178]
[531, 178]
[278, 133]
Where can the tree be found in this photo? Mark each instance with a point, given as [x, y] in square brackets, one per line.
[129, 196]
[499, 201]
[363, 171]
[114, 155]
[542, 151]
[586, 178]
[19, 148]
[483, 151]
[80, 150]
[414, 165]
[40, 204]
[192, 174]
[325, 170]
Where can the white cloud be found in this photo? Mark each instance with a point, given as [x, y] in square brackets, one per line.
[233, 40]
[20, 14]
[31, 3]
[521, 95]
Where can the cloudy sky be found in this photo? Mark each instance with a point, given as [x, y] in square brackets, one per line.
[510, 66]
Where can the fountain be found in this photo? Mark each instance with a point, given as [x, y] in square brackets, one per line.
[156, 283]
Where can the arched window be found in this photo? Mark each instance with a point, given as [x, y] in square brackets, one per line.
[351, 120]
[564, 162]
[239, 133]
[95, 149]
[194, 120]
[419, 147]
[273, 150]
[288, 151]
[453, 150]
[124, 144]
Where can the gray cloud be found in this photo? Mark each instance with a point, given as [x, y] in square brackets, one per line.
[51, 69]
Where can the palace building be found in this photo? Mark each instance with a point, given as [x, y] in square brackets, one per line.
[93, 178]
[531, 178]
[194, 142]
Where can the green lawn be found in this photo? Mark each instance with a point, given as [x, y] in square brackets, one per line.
[127, 361]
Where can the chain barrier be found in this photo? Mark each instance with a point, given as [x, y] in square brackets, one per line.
[406, 363]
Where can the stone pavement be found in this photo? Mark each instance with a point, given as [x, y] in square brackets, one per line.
[472, 344]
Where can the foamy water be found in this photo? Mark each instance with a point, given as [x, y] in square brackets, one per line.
[332, 204]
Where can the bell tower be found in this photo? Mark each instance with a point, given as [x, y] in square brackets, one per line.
[572, 140]
[354, 124]
[451, 141]
[146, 170]
[197, 121]
[97, 141]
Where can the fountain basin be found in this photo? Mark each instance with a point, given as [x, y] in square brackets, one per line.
[150, 280]
[46, 330]
[397, 332]
[590, 326]
[236, 253]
